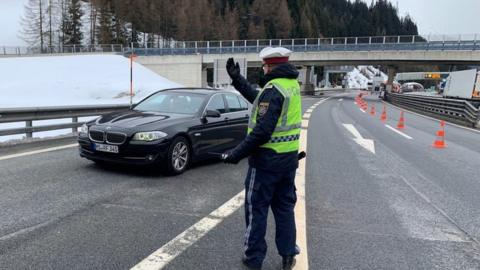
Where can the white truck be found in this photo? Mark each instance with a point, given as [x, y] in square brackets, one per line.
[463, 84]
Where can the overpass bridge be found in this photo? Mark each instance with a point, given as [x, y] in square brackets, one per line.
[176, 58]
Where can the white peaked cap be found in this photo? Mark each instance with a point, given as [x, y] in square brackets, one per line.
[274, 52]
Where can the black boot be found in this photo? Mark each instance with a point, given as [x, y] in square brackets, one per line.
[248, 266]
[288, 262]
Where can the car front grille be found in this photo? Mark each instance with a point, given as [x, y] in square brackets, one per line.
[116, 138]
[96, 136]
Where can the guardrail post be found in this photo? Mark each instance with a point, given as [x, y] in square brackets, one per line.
[196, 47]
[318, 45]
[413, 39]
[245, 45]
[305, 44]
[4, 50]
[475, 42]
[258, 45]
[112, 48]
[208, 46]
[28, 124]
[74, 120]
[220, 46]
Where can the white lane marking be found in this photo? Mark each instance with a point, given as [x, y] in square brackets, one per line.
[399, 132]
[177, 245]
[340, 99]
[160, 258]
[38, 151]
[310, 110]
[306, 115]
[431, 118]
[300, 208]
[362, 110]
[365, 143]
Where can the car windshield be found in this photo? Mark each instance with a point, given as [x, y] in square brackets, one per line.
[172, 102]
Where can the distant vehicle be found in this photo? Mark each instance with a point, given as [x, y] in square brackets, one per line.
[463, 84]
[377, 83]
[370, 86]
[411, 87]
[168, 129]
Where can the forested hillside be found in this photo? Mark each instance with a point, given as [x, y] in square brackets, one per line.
[56, 22]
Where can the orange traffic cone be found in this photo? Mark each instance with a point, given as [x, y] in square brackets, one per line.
[440, 141]
[372, 111]
[383, 117]
[401, 122]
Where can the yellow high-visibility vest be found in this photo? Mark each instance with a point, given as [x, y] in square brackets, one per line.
[286, 137]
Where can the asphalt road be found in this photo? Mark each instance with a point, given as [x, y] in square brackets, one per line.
[408, 206]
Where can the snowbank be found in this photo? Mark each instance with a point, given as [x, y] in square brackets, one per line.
[74, 80]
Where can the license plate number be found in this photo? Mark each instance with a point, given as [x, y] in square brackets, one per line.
[106, 148]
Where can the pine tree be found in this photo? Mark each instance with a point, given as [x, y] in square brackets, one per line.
[105, 29]
[32, 22]
[73, 23]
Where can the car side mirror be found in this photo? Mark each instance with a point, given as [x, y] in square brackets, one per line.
[212, 113]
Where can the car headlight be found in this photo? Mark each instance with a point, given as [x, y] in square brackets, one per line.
[149, 136]
[83, 130]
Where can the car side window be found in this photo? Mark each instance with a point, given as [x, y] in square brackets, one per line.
[243, 104]
[233, 103]
[217, 103]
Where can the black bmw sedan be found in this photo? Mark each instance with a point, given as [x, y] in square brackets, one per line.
[170, 129]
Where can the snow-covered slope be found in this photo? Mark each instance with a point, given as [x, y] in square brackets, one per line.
[355, 79]
[361, 75]
[74, 80]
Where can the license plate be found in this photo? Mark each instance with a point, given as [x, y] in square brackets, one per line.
[106, 148]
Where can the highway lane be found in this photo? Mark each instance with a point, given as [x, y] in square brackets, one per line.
[408, 206]
[63, 212]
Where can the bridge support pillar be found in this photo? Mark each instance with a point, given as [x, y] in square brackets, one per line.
[392, 71]
[204, 77]
[327, 80]
[308, 88]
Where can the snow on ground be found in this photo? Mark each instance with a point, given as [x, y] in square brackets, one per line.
[361, 75]
[355, 79]
[72, 80]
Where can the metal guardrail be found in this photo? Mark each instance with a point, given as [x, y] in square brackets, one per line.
[172, 47]
[28, 115]
[459, 110]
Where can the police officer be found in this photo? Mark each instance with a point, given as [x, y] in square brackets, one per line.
[272, 144]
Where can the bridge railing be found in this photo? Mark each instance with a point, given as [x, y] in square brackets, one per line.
[28, 115]
[173, 47]
[452, 109]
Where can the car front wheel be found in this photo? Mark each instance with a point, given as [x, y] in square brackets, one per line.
[178, 156]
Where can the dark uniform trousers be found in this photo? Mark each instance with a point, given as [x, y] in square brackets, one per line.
[264, 189]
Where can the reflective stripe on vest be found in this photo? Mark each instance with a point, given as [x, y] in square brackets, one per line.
[285, 137]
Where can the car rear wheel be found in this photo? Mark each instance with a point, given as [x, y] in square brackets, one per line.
[178, 156]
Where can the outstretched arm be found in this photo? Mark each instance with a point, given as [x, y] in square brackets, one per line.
[239, 82]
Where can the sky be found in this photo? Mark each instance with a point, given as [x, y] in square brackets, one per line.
[434, 17]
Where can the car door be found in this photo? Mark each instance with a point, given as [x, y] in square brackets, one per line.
[238, 118]
[213, 134]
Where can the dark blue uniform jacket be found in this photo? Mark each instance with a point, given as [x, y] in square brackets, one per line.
[270, 102]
